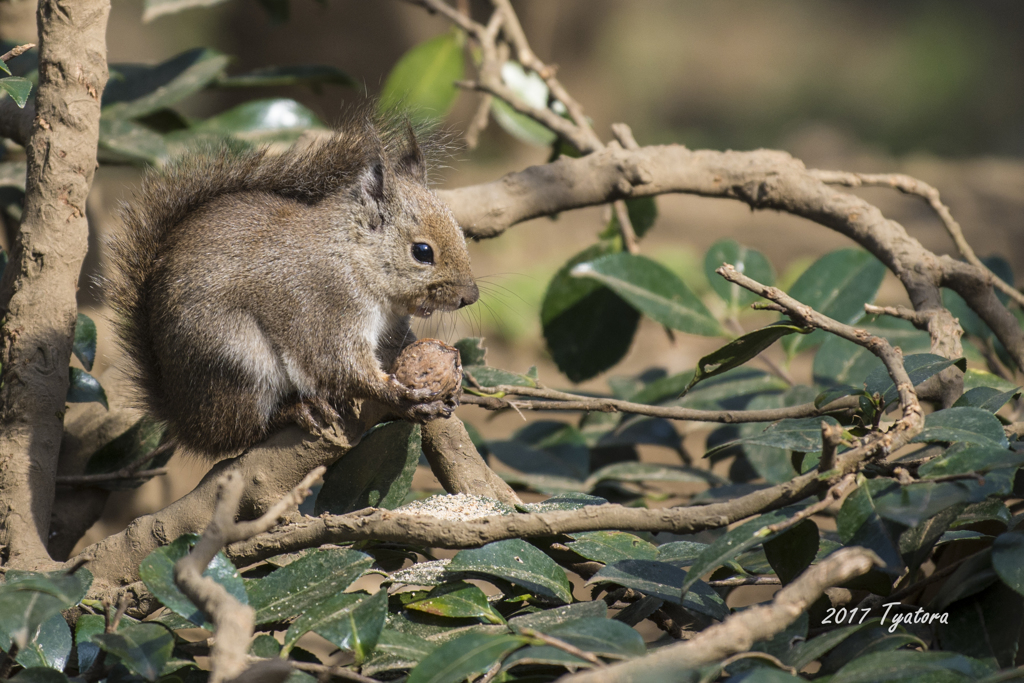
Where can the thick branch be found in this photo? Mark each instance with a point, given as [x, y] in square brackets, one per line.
[270, 470]
[387, 525]
[763, 179]
[37, 295]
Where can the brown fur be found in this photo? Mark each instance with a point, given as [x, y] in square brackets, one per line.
[247, 285]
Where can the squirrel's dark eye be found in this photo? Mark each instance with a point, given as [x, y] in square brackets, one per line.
[423, 253]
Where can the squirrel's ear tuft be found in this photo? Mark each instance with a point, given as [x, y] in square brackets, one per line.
[371, 183]
[411, 162]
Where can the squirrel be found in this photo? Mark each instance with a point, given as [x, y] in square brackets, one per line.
[253, 290]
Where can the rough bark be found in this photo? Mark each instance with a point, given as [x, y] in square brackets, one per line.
[37, 296]
[457, 464]
[269, 471]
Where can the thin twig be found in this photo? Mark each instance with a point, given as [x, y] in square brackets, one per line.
[558, 400]
[626, 227]
[491, 673]
[745, 581]
[16, 52]
[844, 486]
[906, 592]
[563, 646]
[90, 479]
[758, 655]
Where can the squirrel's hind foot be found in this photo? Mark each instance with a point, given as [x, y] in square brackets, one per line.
[313, 414]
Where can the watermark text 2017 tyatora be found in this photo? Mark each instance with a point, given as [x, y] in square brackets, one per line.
[843, 615]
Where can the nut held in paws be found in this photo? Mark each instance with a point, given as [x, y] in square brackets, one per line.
[431, 364]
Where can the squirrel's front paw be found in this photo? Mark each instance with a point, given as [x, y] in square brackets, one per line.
[425, 412]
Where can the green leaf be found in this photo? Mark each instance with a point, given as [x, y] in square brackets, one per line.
[840, 361]
[257, 120]
[792, 551]
[649, 471]
[608, 547]
[4, 67]
[680, 553]
[544, 655]
[39, 675]
[423, 80]
[156, 8]
[796, 434]
[49, 647]
[143, 648]
[376, 473]
[859, 523]
[735, 541]
[837, 285]
[545, 470]
[1008, 559]
[87, 626]
[135, 90]
[986, 398]
[293, 589]
[472, 351]
[643, 211]
[138, 440]
[84, 345]
[458, 599]
[519, 563]
[396, 650]
[297, 74]
[532, 89]
[157, 572]
[29, 599]
[911, 505]
[919, 367]
[973, 576]
[916, 543]
[986, 627]
[352, 621]
[971, 425]
[487, 376]
[664, 581]
[805, 652]
[971, 458]
[909, 665]
[749, 262]
[740, 350]
[979, 378]
[606, 637]
[588, 327]
[123, 141]
[464, 657]
[549, 618]
[84, 388]
[564, 501]
[652, 289]
[18, 88]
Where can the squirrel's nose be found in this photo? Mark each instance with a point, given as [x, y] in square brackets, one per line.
[469, 295]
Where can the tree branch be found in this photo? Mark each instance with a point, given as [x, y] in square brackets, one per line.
[233, 622]
[763, 179]
[37, 295]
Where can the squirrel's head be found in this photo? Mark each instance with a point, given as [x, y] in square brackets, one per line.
[423, 249]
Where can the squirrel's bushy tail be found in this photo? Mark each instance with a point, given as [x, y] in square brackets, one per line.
[168, 196]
